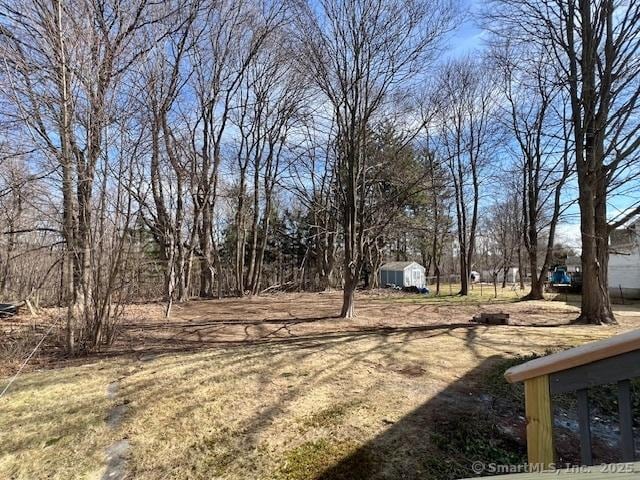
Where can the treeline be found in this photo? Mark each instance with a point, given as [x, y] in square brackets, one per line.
[214, 147]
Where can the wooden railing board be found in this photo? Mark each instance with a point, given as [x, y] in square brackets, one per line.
[606, 371]
[575, 357]
[614, 360]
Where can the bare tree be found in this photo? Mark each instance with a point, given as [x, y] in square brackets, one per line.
[595, 47]
[269, 101]
[535, 116]
[503, 234]
[231, 35]
[359, 53]
[467, 140]
[439, 218]
[313, 183]
[164, 194]
[66, 63]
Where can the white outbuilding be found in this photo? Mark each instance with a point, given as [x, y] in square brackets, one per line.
[624, 261]
[403, 274]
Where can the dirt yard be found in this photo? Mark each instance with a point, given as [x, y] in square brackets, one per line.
[276, 387]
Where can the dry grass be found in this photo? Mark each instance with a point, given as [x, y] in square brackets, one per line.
[273, 387]
[52, 423]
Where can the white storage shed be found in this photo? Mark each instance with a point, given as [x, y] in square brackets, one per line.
[403, 274]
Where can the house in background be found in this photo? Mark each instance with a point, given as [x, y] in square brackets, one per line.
[512, 275]
[624, 261]
[403, 274]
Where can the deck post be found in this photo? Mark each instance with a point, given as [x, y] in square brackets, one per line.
[540, 448]
[625, 409]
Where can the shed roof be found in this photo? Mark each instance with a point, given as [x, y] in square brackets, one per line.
[398, 265]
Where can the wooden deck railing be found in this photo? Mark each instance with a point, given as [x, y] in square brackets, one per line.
[615, 360]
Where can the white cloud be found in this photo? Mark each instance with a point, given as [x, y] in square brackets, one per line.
[569, 234]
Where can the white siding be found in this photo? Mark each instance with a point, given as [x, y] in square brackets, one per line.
[512, 275]
[414, 276]
[624, 272]
[411, 275]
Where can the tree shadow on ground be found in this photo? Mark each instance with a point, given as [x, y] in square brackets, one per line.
[469, 429]
[441, 439]
[143, 340]
[147, 340]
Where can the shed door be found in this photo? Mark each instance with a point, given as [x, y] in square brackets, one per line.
[416, 277]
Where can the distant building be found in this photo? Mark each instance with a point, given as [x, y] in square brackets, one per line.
[573, 263]
[624, 261]
[403, 274]
[512, 275]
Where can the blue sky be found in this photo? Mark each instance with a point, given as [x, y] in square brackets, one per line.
[468, 38]
[464, 41]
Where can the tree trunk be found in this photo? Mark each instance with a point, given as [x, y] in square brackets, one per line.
[595, 304]
[5, 270]
[240, 239]
[537, 283]
[537, 289]
[520, 275]
[218, 266]
[348, 308]
[589, 124]
[185, 278]
[464, 275]
[257, 274]
[253, 247]
[69, 230]
[206, 280]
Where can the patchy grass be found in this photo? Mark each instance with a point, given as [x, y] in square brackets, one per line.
[497, 386]
[480, 294]
[243, 413]
[53, 423]
[330, 416]
[468, 437]
[314, 459]
[302, 398]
